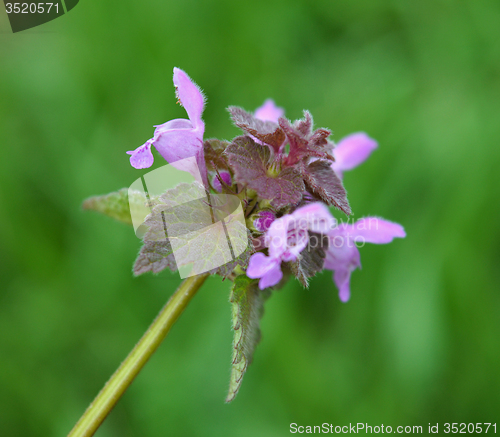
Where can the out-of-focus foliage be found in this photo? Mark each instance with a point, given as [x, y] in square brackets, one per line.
[419, 340]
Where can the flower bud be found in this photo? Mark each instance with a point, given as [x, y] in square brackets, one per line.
[261, 221]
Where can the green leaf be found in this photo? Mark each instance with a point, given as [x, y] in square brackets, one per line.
[242, 260]
[115, 205]
[194, 233]
[247, 308]
[154, 256]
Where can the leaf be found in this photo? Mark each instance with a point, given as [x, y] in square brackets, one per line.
[252, 167]
[311, 259]
[266, 131]
[194, 233]
[241, 260]
[214, 157]
[114, 205]
[323, 181]
[217, 165]
[247, 309]
[304, 142]
[154, 256]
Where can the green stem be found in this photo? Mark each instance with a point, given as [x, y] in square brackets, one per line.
[130, 368]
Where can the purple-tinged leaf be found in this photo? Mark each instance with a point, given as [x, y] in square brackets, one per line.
[217, 165]
[266, 131]
[304, 142]
[304, 126]
[252, 167]
[214, 154]
[323, 182]
[311, 259]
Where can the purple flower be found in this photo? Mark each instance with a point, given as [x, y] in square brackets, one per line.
[180, 138]
[343, 255]
[266, 268]
[286, 238]
[264, 220]
[269, 111]
[352, 151]
[226, 178]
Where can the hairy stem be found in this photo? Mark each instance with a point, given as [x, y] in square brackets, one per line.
[135, 361]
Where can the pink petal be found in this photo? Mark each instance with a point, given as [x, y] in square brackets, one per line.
[177, 144]
[190, 95]
[292, 252]
[269, 111]
[375, 230]
[266, 268]
[272, 277]
[342, 253]
[258, 265]
[317, 216]
[342, 257]
[142, 156]
[342, 279]
[193, 165]
[352, 151]
[277, 236]
[178, 139]
[176, 123]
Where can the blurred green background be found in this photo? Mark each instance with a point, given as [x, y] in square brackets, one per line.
[419, 341]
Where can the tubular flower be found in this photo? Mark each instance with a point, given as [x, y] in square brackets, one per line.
[179, 138]
[343, 255]
[286, 238]
[269, 111]
[352, 151]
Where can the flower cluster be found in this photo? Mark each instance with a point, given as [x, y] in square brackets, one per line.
[285, 174]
